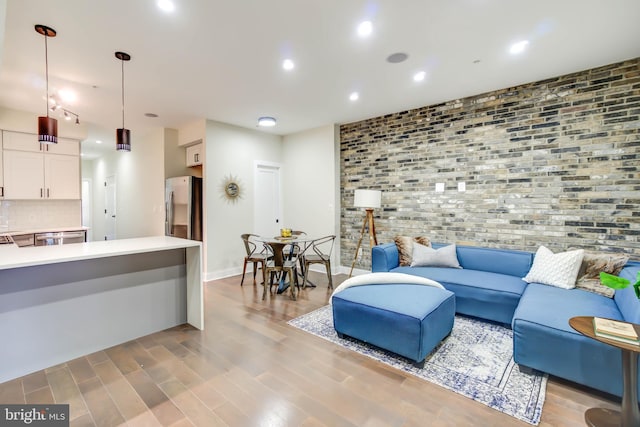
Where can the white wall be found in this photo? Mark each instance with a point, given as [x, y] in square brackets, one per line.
[311, 202]
[310, 184]
[175, 163]
[231, 150]
[139, 187]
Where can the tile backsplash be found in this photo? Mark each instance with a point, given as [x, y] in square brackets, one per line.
[17, 215]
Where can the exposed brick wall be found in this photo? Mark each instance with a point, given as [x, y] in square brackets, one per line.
[554, 163]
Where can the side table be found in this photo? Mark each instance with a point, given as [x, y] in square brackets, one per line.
[629, 416]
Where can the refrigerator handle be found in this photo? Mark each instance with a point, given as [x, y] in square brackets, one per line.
[169, 215]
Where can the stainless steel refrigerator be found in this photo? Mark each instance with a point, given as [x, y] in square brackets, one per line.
[183, 207]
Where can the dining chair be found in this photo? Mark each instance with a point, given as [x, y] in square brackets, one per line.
[320, 254]
[253, 256]
[293, 252]
[280, 266]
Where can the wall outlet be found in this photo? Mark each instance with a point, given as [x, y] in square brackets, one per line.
[462, 186]
[439, 187]
[359, 256]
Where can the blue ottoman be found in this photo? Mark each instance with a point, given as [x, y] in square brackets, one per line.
[409, 320]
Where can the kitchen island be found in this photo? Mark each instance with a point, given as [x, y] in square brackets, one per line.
[58, 303]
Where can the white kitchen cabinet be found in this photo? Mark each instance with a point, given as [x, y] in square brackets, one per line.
[64, 146]
[20, 141]
[24, 175]
[29, 142]
[30, 175]
[61, 177]
[194, 155]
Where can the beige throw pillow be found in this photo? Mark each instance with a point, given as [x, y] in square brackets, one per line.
[559, 269]
[405, 247]
[595, 262]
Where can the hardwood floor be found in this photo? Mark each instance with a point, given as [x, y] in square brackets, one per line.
[249, 368]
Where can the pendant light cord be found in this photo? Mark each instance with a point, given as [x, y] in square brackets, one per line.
[46, 65]
[122, 62]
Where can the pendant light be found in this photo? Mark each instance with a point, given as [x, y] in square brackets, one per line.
[47, 126]
[123, 136]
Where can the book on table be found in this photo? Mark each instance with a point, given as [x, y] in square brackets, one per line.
[615, 330]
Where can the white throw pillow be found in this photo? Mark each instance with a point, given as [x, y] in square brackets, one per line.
[559, 269]
[424, 256]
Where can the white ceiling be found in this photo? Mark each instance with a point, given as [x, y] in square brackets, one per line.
[221, 60]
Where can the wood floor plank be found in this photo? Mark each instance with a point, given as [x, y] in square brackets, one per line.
[317, 409]
[122, 392]
[122, 359]
[41, 396]
[81, 369]
[103, 410]
[209, 396]
[97, 357]
[34, 381]
[65, 390]
[197, 412]
[83, 421]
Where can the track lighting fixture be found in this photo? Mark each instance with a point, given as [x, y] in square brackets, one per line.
[69, 113]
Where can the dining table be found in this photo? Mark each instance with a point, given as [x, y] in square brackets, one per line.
[278, 243]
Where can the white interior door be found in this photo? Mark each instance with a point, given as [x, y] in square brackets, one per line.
[87, 213]
[268, 204]
[110, 208]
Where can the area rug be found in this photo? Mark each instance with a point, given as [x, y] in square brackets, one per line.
[475, 361]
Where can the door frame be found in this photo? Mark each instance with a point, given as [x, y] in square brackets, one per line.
[115, 207]
[263, 164]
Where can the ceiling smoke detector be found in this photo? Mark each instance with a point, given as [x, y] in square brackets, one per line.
[397, 57]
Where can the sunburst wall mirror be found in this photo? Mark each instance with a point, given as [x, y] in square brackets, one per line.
[231, 189]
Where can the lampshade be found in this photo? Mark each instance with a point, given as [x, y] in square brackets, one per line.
[367, 198]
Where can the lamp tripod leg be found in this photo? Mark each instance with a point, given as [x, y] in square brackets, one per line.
[373, 240]
[355, 256]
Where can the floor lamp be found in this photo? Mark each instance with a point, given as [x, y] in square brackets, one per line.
[368, 199]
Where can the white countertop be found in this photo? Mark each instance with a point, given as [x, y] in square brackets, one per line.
[11, 256]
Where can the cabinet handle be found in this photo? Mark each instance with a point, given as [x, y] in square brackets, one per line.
[196, 157]
[41, 192]
[1, 191]
[47, 193]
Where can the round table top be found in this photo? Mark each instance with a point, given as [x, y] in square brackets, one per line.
[584, 325]
[286, 240]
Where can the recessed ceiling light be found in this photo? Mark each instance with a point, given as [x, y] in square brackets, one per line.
[397, 57]
[266, 122]
[166, 5]
[419, 76]
[98, 141]
[365, 29]
[519, 47]
[354, 96]
[288, 64]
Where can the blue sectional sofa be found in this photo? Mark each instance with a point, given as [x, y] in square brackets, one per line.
[489, 286]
